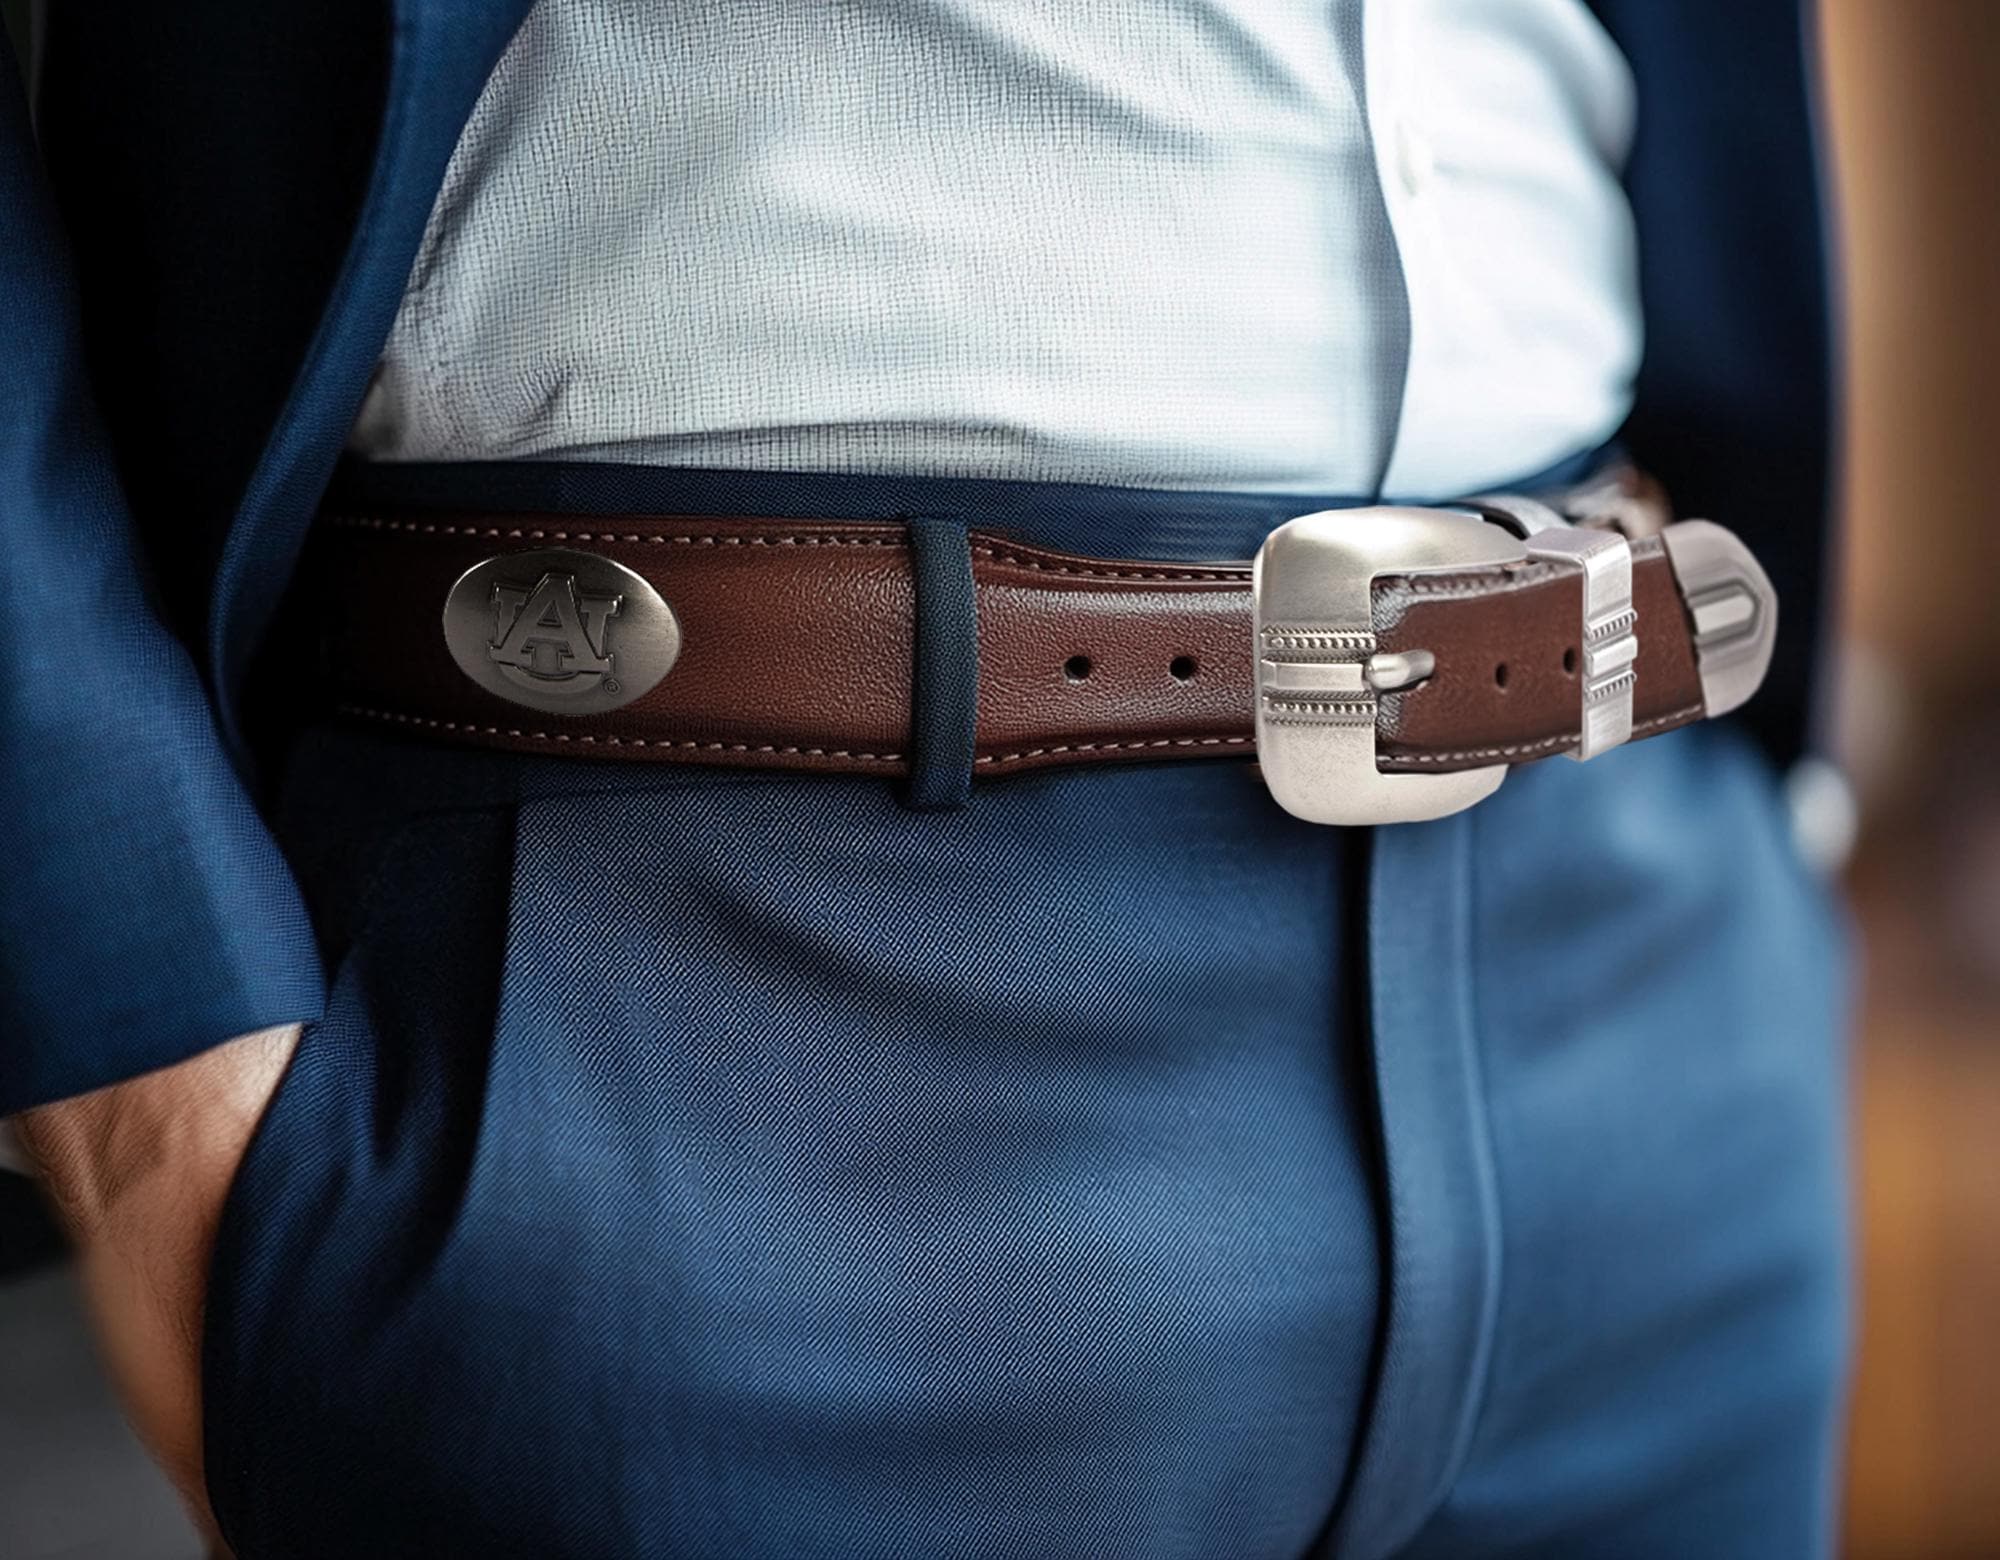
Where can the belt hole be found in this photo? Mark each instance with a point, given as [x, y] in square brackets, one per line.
[1569, 661]
[1500, 675]
[1183, 668]
[1076, 668]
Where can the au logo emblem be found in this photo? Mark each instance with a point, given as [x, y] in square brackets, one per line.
[560, 631]
[551, 634]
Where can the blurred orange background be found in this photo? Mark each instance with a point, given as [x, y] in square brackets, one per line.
[1913, 99]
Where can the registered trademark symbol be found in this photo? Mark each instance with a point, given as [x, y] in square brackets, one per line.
[611, 685]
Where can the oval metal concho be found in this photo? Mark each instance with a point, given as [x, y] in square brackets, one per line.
[560, 631]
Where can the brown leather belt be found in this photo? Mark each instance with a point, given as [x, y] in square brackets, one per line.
[796, 638]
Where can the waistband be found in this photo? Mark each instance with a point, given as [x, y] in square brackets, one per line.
[1090, 519]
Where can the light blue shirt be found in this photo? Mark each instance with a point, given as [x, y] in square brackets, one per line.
[1326, 246]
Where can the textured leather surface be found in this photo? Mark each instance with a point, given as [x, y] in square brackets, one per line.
[797, 644]
[1507, 643]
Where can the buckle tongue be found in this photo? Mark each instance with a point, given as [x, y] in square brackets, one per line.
[1317, 668]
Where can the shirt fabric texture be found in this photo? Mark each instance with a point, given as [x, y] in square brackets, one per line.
[1238, 244]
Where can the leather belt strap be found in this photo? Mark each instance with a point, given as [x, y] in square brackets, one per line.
[796, 643]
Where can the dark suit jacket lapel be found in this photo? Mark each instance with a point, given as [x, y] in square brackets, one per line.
[1736, 410]
[441, 53]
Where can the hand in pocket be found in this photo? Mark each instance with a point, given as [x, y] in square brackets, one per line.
[139, 1171]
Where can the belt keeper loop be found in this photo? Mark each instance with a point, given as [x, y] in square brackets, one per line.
[944, 674]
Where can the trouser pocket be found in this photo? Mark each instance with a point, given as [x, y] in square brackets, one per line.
[370, 1126]
[751, 1165]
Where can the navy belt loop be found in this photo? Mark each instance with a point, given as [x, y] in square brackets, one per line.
[944, 679]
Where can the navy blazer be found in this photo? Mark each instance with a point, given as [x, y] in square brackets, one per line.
[203, 255]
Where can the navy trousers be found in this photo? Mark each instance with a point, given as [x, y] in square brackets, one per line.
[717, 1163]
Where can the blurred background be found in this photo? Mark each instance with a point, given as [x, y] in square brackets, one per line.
[1913, 106]
[1914, 100]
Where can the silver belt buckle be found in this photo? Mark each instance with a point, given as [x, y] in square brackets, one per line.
[1318, 670]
